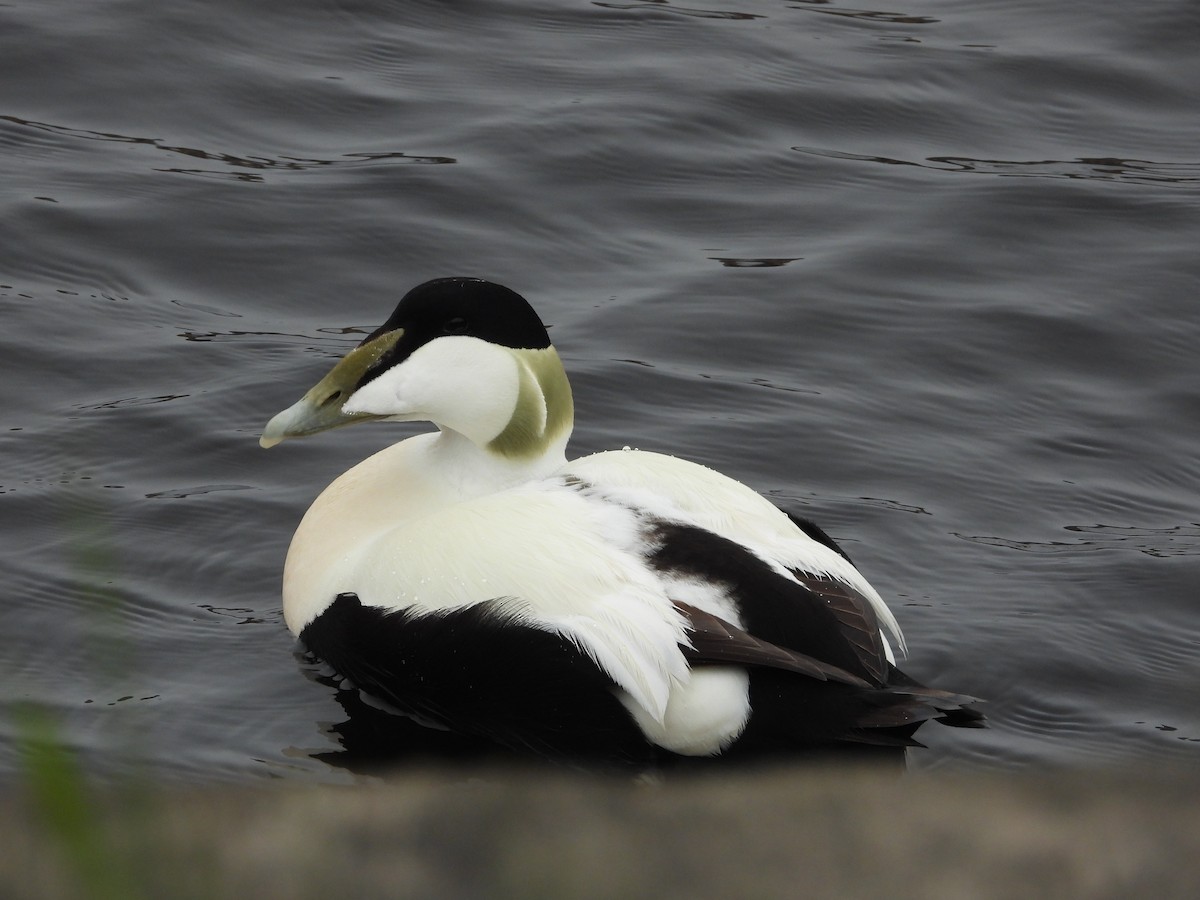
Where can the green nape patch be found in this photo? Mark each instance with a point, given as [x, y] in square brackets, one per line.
[544, 410]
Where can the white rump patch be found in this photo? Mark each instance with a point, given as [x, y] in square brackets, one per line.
[703, 716]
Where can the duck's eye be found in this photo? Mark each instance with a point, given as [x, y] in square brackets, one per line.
[457, 325]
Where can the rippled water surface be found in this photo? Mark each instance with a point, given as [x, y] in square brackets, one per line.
[925, 273]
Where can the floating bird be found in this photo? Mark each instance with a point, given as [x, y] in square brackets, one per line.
[627, 607]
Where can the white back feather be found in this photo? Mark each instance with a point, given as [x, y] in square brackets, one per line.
[679, 490]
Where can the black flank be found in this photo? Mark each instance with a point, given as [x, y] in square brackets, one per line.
[478, 671]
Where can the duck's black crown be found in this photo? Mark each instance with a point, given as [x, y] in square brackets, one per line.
[468, 306]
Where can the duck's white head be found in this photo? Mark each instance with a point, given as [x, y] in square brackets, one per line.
[466, 354]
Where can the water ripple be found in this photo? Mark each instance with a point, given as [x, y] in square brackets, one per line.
[132, 401]
[891, 18]
[279, 163]
[1178, 540]
[1133, 171]
[665, 6]
[277, 337]
[199, 490]
[735, 262]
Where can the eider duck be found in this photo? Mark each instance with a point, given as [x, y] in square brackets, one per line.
[623, 608]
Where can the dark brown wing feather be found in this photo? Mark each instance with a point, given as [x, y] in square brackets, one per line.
[855, 617]
[715, 641]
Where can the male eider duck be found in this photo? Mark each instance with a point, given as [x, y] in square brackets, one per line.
[623, 608]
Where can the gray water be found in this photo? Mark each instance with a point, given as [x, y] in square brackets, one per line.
[925, 274]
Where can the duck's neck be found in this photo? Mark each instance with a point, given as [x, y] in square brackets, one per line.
[470, 457]
[530, 446]
[469, 470]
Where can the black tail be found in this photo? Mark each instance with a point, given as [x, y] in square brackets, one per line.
[901, 707]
